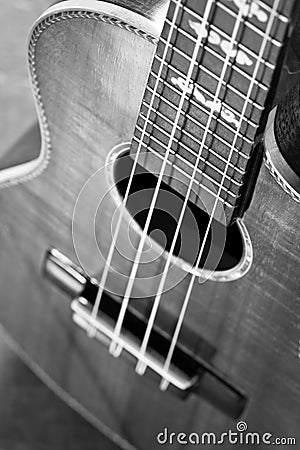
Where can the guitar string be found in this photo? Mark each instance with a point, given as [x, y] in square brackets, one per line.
[221, 120]
[235, 178]
[234, 67]
[198, 170]
[238, 92]
[141, 366]
[249, 25]
[222, 142]
[227, 193]
[195, 181]
[203, 109]
[230, 87]
[240, 153]
[164, 382]
[237, 154]
[166, 101]
[226, 36]
[202, 174]
[94, 313]
[194, 154]
[200, 125]
[221, 58]
[257, 30]
[246, 50]
[114, 348]
[269, 8]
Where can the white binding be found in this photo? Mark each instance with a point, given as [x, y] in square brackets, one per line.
[238, 271]
[271, 148]
[27, 171]
[95, 6]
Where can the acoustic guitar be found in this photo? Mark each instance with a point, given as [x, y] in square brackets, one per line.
[150, 253]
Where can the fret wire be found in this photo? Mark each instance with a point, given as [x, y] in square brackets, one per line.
[219, 138]
[187, 162]
[108, 260]
[225, 35]
[260, 57]
[198, 105]
[240, 152]
[135, 265]
[248, 24]
[164, 383]
[85, 320]
[228, 86]
[184, 173]
[186, 148]
[276, 13]
[222, 59]
[213, 75]
[212, 26]
[218, 118]
[250, 88]
[254, 75]
[216, 95]
[268, 8]
[212, 180]
[217, 155]
[203, 186]
[126, 297]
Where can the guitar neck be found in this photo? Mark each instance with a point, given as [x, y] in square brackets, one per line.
[205, 96]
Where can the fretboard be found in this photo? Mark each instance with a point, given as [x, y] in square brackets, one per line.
[206, 93]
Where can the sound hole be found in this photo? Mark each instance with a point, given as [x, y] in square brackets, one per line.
[224, 246]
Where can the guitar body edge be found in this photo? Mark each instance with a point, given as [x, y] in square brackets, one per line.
[91, 75]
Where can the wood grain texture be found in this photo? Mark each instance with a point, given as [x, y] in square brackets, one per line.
[92, 77]
[197, 138]
[34, 418]
[31, 416]
[17, 108]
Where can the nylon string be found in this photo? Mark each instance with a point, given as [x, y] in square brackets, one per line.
[113, 346]
[164, 383]
[93, 318]
[140, 368]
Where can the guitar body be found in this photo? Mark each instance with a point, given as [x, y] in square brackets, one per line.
[91, 76]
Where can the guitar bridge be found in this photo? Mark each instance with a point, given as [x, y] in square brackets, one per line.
[187, 374]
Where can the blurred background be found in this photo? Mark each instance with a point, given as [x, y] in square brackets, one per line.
[31, 416]
[17, 110]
